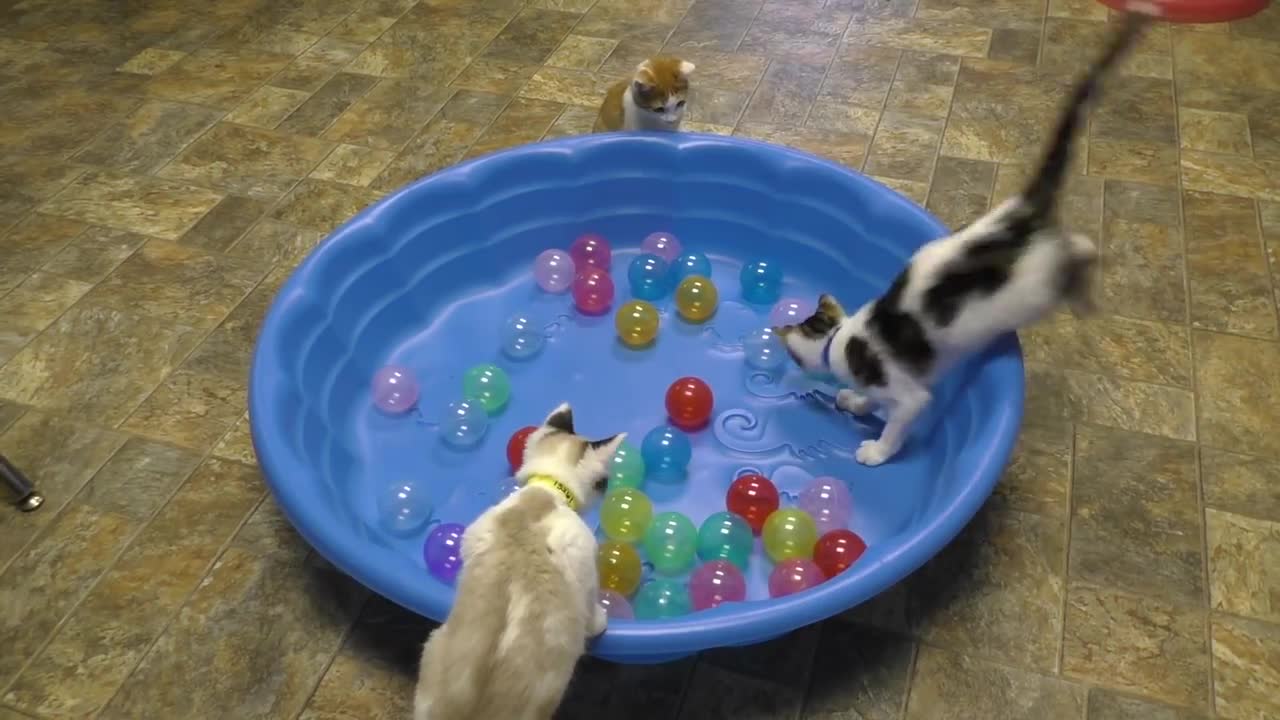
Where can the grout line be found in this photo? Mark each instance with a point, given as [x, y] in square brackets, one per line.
[884, 104]
[946, 123]
[911, 678]
[1066, 552]
[840, 41]
[346, 634]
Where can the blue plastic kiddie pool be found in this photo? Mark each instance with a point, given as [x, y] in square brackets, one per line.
[426, 277]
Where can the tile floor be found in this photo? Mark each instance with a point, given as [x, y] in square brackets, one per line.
[165, 163]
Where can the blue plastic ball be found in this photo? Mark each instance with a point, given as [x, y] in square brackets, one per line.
[464, 424]
[649, 278]
[660, 599]
[690, 263]
[523, 337]
[761, 282]
[666, 451]
[763, 350]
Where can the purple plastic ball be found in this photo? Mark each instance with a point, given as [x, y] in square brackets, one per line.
[615, 606]
[443, 552]
[554, 271]
[828, 501]
[395, 390]
[790, 311]
[664, 245]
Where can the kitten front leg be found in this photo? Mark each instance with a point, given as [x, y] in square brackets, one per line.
[598, 622]
[854, 402]
[902, 412]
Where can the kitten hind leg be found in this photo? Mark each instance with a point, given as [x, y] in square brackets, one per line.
[854, 402]
[1078, 281]
[905, 407]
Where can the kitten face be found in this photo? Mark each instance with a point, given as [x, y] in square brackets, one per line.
[806, 340]
[661, 87]
[556, 450]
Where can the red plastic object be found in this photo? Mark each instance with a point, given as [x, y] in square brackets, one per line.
[754, 498]
[837, 550]
[1191, 11]
[515, 446]
[593, 292]
[689, 402]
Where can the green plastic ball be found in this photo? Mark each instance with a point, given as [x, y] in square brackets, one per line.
[725, 536]
[487, 385]
[671, 543]
[626, 469]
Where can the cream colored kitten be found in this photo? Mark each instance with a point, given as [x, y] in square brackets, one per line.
[527, 599]
[653, 99]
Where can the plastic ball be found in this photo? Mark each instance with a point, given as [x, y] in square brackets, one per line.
[637, 323]
[615, 606]
[753, 498]
[716, 582]
[554, 271]
[523, 339]
[626, 468]
[664, 245]
[837, 550]
[794, 575]
[395, 390]
[790, 311]
[516, 445]
[761, 282]
[789, 533]
[689, 402]
[618, 565]
[625, 514]
[591, 251]
[689, 264]
[443, 551]
[660, 599]
[649, 276]
[593, 292]
[404, 508]
[487, 385]
[666, 452]
[671, 543]
[725, 536]
[828, 501]
[763, 350]
[464, 424]
[696, 298]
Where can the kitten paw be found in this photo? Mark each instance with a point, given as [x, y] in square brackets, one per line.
[854, 402]
[873, 452]
[599, 622]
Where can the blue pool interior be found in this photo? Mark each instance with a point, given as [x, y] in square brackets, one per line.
[427, 278]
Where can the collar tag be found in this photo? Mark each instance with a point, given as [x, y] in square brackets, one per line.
[561, 489]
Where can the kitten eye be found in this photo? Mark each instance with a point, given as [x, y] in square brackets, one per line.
[602, 484]
[680, 104]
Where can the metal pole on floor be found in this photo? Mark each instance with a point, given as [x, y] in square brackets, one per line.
[28, 498]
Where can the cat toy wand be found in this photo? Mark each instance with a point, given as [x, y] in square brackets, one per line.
[28, 498]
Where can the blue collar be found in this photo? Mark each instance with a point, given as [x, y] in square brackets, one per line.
[826, 350]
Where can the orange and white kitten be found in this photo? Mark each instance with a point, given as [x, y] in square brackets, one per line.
[653, 99]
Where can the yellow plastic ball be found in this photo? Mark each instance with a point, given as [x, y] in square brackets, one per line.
[789, 533]
[637, 323]
[625, 514]
[696, 298]
[619, 567]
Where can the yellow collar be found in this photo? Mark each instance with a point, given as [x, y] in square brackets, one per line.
[563, 490]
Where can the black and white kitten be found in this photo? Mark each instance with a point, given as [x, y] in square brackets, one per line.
[1008, 269]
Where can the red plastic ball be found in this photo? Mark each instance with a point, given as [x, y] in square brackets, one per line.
[593, 292]
[837, 550]
[689, 402]
[515, 446]
[754, 498]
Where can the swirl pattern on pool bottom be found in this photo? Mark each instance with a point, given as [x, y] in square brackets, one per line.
[427, 278]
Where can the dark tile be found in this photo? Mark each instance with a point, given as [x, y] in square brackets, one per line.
[714, 25]
[1107, 705]
[502, 78]
[444, 140]
[389, 115]
[262, 164]
[1230, 284]
[9, 414]
[716, 693]
[189, 409]
[321, 205]
[1056, 395]
[32, 243]
[271, 241]
[149, 137]
[1137, 108]
[48, 119]
[523, 121]
[94, 254]
[313, 68]
[858, 674]
[961, 190]
[1246, 655]
[215, 77]
[1142, 271]
[226, 352]
[225, 223]
[353, 165]
[531, 36]
[627, 692]
[1136, 644]
[1138, 203]
[333, 98]
[1139, 350]
[267, 107]
[1000, 111]
[785, 660]
[147, 206]
[619, 19]
[32, 306]
[923, 85]
[34, 178]
[904, 147]
[1038, 478]
[860, 75]
[843, 147]
[948, 686]
[433, 41]
[1016, 46]
[1240, 484]
[1236, 381]
[788, 29]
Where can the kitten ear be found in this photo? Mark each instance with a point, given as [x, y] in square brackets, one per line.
[686, 68]
[560, 419]
[641, 87]
[829, 306]
[782, 331]
[608, 446]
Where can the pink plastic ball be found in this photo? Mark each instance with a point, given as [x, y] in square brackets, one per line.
[591, 251]
[593, 292]
[664, 245]
[828, 501]
[716, 582]
[395, 390]
[554, 271]
[615, 606]
[790, 311]
[794, 575]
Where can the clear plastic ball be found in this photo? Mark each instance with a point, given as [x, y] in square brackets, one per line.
[763, 350]
[464, 424]
[523, 337]
[404, 508]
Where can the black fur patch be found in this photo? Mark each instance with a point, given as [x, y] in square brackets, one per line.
[944, 300]
[561, 420]
[597, 444]
[899, 331]
[864, 364]
[818, 325]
